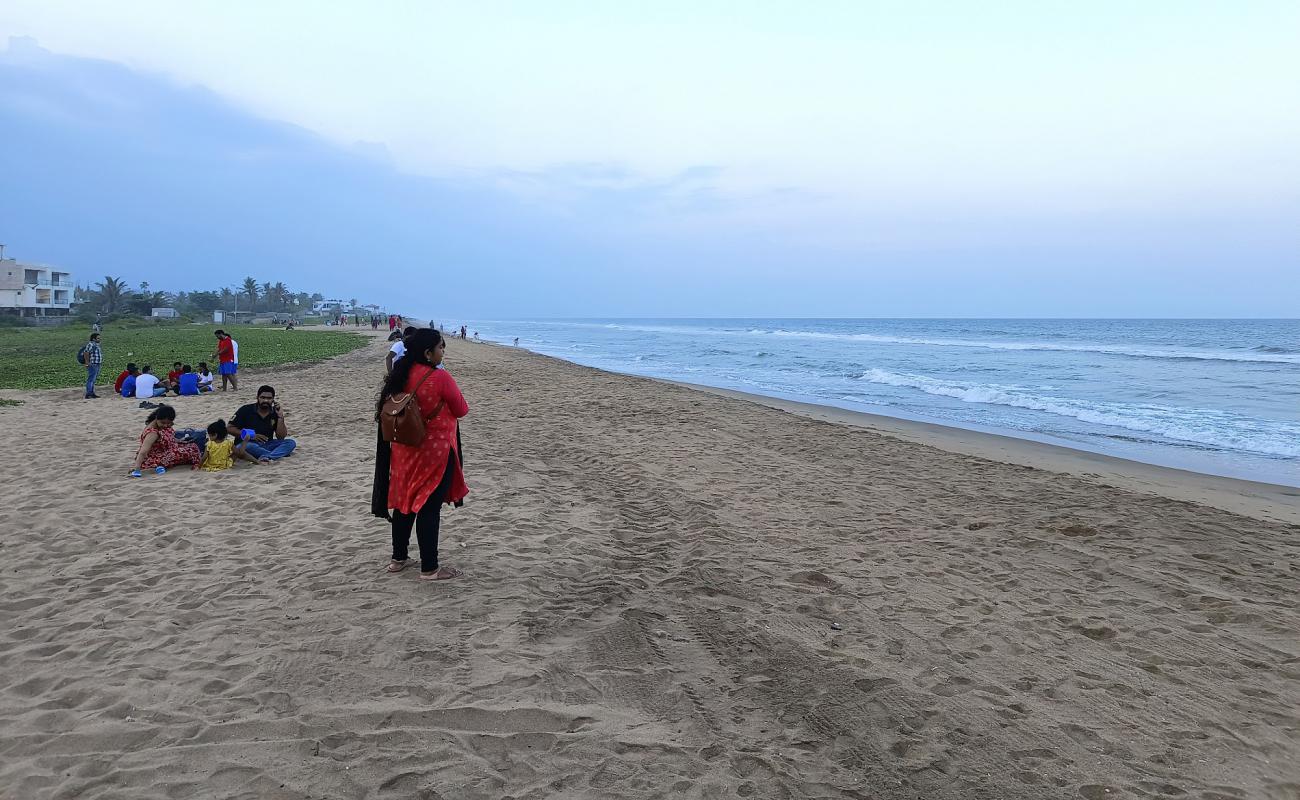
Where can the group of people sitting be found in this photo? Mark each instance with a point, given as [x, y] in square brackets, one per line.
[182, 380]
[256, 433]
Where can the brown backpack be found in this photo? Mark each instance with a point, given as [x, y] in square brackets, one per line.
[400, 418]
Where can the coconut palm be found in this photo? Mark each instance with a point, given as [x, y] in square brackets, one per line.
[250, 289]
[112, 291]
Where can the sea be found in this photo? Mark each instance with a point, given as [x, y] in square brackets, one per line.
[1214, 396]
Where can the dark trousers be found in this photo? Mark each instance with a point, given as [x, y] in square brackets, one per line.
[425, 521]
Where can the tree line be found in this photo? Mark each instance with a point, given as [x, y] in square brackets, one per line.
[113, 296]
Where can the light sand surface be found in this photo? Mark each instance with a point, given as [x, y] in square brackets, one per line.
[1266, 501]
[669, 593]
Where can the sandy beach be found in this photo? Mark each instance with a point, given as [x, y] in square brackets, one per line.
[668, 592]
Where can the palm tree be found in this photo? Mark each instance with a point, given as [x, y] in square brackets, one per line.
[112, 291]
[282, 294]
[250, 289]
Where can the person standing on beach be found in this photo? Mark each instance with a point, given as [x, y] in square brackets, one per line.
[225, 358]
[421, 478]
[93, 358]
[398, 350]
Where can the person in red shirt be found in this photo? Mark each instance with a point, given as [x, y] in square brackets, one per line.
[174, 376]
[225, 358]
[421, 478]
[131, 369]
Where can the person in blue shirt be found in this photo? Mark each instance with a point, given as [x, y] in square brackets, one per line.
[128, 385]
[188, 382]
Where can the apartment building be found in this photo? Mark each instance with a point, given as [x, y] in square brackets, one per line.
[34, 290]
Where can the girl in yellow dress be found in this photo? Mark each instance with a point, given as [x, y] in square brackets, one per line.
[222, 449]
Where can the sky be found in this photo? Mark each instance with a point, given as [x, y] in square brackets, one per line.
[678, 159]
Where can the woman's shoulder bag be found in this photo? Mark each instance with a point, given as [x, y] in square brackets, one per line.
[401, 420]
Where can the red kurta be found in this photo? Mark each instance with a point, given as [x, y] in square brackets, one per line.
[415, 472]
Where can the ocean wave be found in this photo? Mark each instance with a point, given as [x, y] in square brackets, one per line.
[1203, 427]
[1267, 354]
[1259, 356]
[1275, 349]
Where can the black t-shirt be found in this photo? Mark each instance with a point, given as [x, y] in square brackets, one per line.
[247, 417]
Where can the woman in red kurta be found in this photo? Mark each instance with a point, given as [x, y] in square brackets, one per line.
[422, 478]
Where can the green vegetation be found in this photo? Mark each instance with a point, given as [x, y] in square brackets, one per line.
[4, 401]
[46, 358]
[113, 298]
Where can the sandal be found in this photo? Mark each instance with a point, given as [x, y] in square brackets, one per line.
[397, 566]
[441, 574]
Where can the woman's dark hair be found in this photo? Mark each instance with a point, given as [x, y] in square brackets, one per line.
[162, 412]
[217, 431]
[417, 344]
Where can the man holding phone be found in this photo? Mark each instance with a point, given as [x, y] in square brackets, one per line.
[266, 420]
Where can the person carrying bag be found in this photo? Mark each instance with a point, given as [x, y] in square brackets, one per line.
[424, 466]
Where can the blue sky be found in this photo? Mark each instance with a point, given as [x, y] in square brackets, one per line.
[838, 159]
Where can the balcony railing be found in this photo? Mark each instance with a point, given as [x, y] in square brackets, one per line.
[43, 282]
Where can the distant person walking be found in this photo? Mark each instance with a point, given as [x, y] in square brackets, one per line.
[93, 358]
[226, 360]
[421, 478]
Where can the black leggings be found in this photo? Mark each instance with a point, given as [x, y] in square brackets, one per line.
[425, 521]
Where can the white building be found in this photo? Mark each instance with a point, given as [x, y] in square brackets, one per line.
[34, 290]
[329, 305]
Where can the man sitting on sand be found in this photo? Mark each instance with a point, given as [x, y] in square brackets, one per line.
[187, 383]
[121, 379]
[265, 419]
[147, 384]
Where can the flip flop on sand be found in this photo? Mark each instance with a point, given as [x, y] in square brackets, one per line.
[397, 566]
[441, 574]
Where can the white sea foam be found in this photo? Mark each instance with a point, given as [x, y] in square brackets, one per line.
[1265, 357]
[1206, 427]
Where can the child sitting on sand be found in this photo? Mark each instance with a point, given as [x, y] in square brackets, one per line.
[205, 377]
[222, 449]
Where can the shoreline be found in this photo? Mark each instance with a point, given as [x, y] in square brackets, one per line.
[1270, 502]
